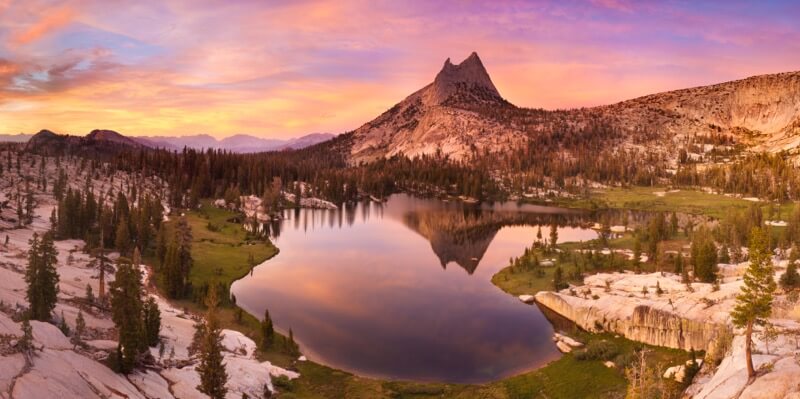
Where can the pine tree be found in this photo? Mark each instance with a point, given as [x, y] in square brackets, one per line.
[294, 349]
[26, 342]
[122, 239]
[178, 260]
[126, 311]
[553, 236]
[152, 321]
[637, 254]
[30, 204]
[62, 324]
[80, 329]
[267, 330]
[673, 224]
[558, 279]
[704, 257]
[170, 269]
[42, 277]
[790, 279]
[89, 293]
[754, 303]
[794, 254]
[213, 375]
[99, 261]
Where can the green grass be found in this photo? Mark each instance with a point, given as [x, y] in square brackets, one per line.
[222, 255]
[569, 377]
[517, 281]
[684, 201]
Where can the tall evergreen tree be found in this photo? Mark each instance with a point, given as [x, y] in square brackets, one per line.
[704, 256]
[80, 328]
[754, 303]
[152, 321]
[126, 311]
[178, 260]
[637, 254]
[30, 204]
[213, 375]
[122, 238]
[171, 271]
[42, 277]
[790, 279]
[558, 279]
[267, 330]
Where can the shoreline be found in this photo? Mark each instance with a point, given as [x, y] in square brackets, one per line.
[533, 375]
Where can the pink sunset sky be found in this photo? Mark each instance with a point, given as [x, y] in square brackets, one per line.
[286, 68]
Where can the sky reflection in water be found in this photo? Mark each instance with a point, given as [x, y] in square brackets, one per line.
[366, 291]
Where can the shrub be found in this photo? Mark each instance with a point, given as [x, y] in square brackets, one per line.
[598, 350]
[623, 360]
[283, 383]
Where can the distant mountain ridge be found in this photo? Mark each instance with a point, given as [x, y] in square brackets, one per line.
[240, 143]
[15, 138]
[97, 142]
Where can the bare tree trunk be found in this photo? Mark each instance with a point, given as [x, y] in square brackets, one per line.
[749, 350]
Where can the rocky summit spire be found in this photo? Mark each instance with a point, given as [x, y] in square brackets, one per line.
[468, 79]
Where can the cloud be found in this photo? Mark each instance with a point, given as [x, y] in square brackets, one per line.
[49, 22]
[283, 68]
[617, 5]
[7, 68]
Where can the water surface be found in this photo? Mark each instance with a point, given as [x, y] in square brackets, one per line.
[403, 290]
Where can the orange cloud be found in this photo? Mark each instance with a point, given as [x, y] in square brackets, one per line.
[7, 68]
[48, 23]
[288, 68]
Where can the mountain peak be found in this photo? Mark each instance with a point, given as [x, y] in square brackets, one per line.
[45, 133]
[467, 78]
[111, 136]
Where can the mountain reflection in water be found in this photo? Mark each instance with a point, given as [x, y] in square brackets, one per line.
[366, 288]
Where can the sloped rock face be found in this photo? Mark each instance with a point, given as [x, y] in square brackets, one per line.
[461, 112]
[668, 320]
[761, 110]
[440, 117]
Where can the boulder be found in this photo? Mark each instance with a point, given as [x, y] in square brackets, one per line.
[563, 347]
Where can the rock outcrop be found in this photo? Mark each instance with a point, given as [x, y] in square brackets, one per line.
[57, 368]
[675, 319]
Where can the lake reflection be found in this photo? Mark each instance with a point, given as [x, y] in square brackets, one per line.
[372, 289]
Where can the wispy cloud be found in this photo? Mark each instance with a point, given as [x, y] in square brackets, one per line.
[50, 21]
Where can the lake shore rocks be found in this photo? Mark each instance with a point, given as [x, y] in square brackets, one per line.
[676, 318]
[690, 317]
